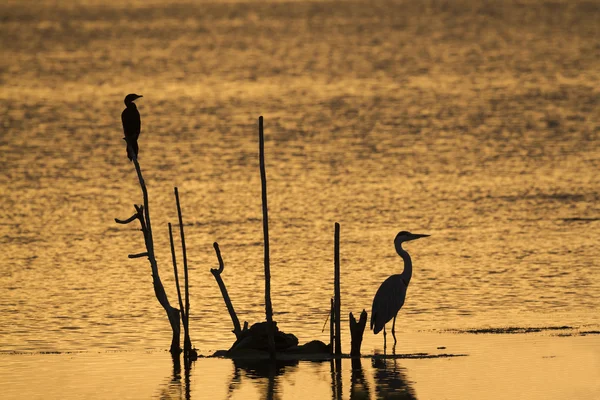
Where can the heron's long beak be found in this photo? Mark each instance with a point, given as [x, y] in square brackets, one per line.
[417, 236]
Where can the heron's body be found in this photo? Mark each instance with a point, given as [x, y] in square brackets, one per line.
[132, 125]
[391, 295]
[388, 301]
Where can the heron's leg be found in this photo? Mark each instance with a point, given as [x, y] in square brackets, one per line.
[384, 339]
[394, 329]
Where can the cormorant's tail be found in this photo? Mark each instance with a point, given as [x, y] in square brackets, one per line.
[132, 148]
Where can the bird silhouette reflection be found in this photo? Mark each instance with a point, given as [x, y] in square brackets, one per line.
[390, 380]
[266, 372]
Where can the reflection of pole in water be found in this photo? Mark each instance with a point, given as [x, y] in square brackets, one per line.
[172, 389]
[359, 388]
[336, 378]
[176, 367]
[235, 381]
[271, 385]
[187, 372]
[391, 381]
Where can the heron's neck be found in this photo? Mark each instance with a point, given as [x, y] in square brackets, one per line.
[407, 273]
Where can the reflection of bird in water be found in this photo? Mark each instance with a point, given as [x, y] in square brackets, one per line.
[132, 125]
[391, 381]
[261, 369]
[390, 296]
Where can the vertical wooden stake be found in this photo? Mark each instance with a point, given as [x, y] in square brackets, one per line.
[337, 300]
[331, 325]
[187, 343]
[176, 274]
[263, 179]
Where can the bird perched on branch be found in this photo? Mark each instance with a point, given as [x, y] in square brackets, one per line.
[132, 125]
[390, 296]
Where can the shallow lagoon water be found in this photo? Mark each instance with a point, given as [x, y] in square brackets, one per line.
[474, 122]
[533, 366]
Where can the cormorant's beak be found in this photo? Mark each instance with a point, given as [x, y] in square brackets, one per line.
[414, 236]
[139, 96]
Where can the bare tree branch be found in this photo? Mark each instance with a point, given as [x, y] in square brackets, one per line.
[143, 215]
[217, 274]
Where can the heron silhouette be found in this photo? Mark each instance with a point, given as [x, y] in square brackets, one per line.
[390, 296]
[132, 125]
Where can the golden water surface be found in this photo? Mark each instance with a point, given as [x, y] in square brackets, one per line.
[476, 122]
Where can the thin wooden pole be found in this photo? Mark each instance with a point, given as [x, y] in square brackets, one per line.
[338, 329]
[331, 326]
[175, 271]
[187, 342]
[263, 179]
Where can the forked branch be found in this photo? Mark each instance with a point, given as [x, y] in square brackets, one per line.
[143, 215]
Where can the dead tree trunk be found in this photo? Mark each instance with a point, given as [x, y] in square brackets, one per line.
[143, 215]
[357, 329]
[217, 274]
[263, 179]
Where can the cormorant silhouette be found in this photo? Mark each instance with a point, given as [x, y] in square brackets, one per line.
[132, 124]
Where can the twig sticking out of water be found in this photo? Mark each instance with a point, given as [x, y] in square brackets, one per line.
[217, 274]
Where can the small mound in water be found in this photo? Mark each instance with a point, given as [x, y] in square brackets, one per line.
[253, 343]
[256, 338]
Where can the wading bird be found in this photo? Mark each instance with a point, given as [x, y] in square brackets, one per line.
[390, 296]
[131, 125]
